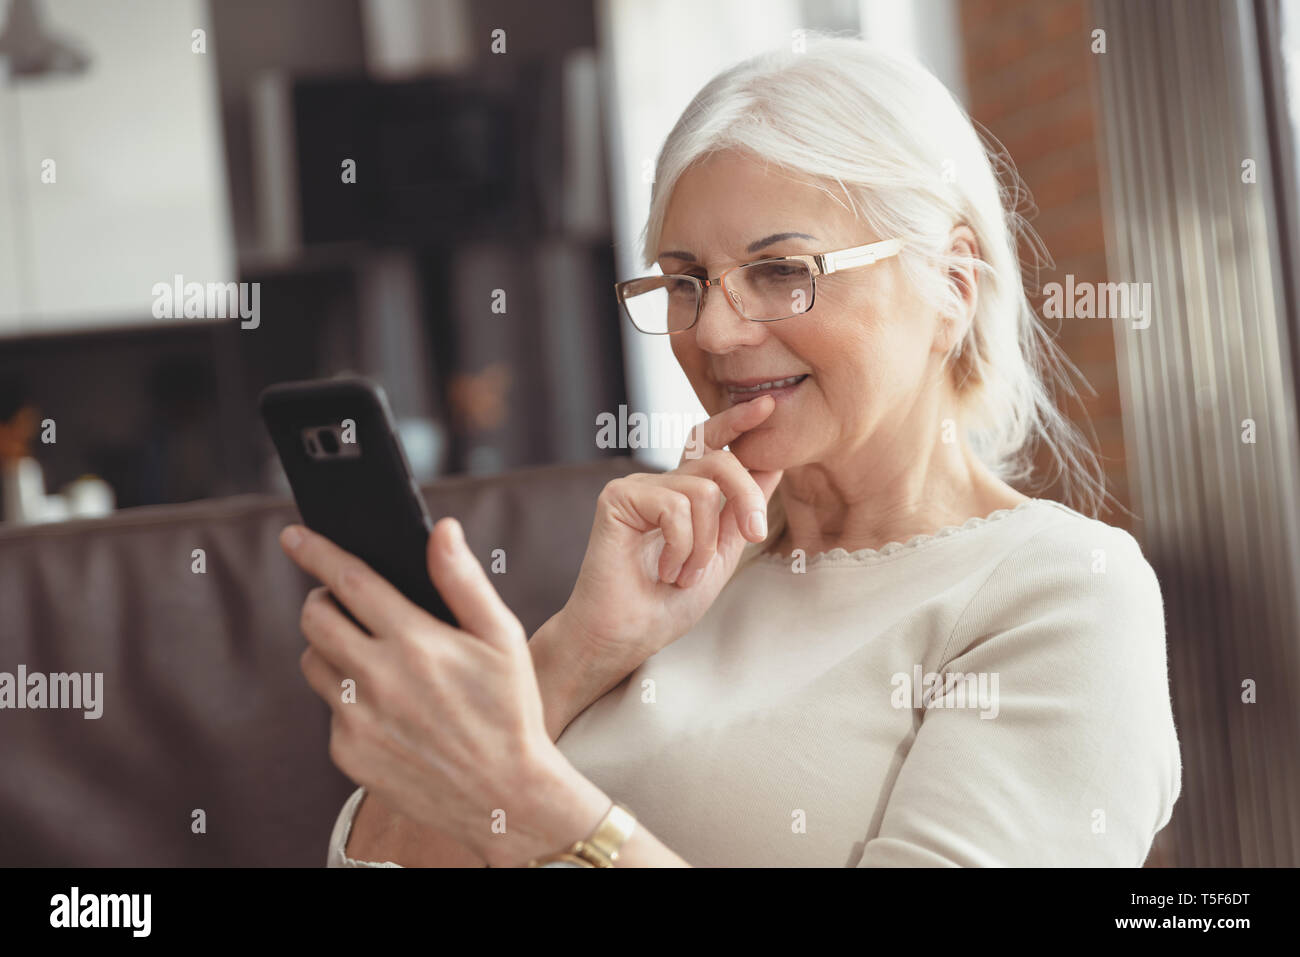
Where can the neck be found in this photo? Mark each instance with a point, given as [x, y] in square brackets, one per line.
[888, 491]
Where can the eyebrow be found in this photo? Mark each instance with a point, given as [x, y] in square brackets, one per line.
[753, 247]
[776, 238]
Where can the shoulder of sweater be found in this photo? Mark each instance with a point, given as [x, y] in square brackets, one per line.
[1067, 573]
[1065, 545]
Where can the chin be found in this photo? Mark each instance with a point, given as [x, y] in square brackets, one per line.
[766, 450]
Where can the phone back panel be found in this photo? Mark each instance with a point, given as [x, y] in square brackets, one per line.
[355, 488]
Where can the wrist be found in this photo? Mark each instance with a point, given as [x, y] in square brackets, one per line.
[556, 681]
[564, 807]
[567, 682]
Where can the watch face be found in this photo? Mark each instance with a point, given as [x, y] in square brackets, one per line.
[560, 864]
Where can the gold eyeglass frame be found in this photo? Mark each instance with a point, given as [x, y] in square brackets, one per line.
[819, 264]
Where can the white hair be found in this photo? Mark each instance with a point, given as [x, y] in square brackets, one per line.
[908, 162]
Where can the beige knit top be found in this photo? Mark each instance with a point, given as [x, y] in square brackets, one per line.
[993, 694]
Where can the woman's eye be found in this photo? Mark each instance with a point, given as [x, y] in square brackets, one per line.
[778, 272]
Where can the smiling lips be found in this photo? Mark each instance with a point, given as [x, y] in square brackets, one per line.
[777, 388]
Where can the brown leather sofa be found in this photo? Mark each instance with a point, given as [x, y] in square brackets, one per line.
[204, 706]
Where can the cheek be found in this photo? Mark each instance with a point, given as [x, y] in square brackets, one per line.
[874, 339]
[868, 362]
[692, 363]
[848, 348]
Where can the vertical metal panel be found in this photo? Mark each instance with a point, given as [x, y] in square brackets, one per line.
[1181, 109]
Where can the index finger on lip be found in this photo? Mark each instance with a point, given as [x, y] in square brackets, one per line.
[722, 429]
[377, 605]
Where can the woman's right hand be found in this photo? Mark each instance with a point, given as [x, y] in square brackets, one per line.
[661, 548]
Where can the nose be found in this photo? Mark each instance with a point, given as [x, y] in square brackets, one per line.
[720, 328]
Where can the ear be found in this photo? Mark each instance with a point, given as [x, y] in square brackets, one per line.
[961, 245]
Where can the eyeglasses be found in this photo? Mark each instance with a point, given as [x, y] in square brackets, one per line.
[763, 291]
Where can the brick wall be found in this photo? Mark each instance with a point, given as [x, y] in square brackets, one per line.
[1030, 76]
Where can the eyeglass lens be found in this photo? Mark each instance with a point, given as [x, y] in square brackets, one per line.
[761, 291]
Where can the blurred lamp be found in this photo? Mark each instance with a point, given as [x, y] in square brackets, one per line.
[28, 49]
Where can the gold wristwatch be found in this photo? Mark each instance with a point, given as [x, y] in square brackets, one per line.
[601, 849]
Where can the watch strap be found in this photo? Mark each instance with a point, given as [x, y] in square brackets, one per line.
[602, 847]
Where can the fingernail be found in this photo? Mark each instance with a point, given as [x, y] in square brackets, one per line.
[291, 536]
[690, 580]
[757, 524]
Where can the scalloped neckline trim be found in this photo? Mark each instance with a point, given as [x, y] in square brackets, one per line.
[916, 542]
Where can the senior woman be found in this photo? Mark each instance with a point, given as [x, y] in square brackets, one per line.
[838, 637]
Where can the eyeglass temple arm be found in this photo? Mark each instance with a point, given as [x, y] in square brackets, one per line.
[859, 255]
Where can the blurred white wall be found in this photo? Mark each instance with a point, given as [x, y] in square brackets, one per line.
[139, 192]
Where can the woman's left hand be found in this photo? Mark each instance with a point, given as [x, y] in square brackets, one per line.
[443, 724]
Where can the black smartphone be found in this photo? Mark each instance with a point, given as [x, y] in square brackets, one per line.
[350, 477]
